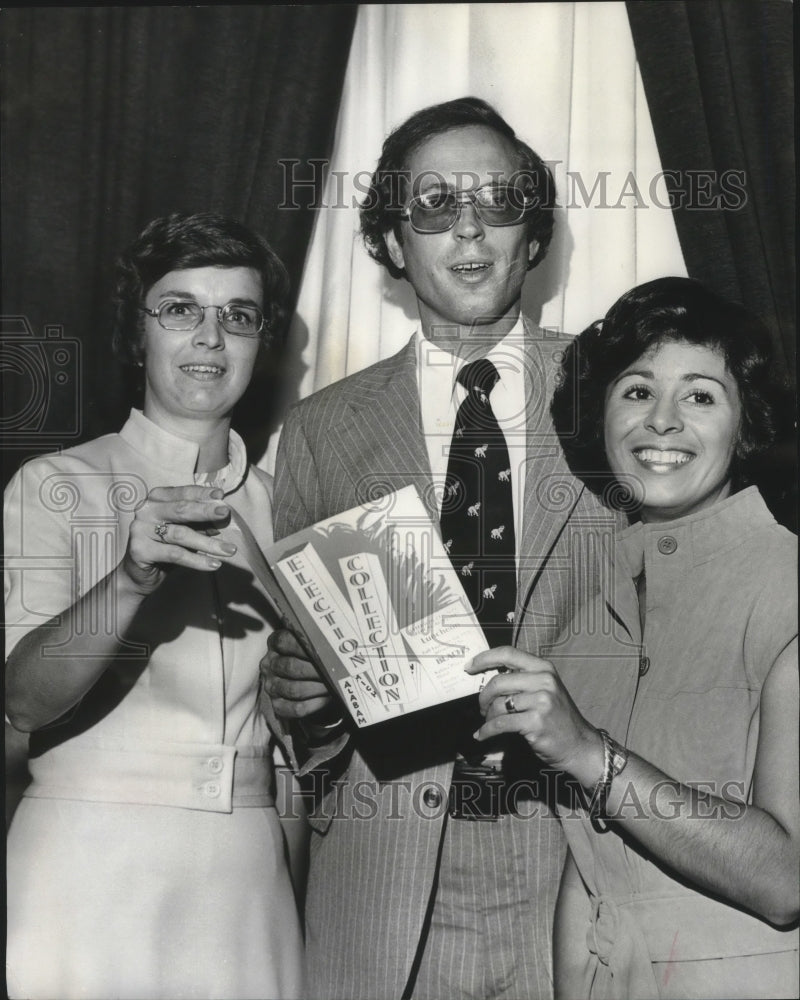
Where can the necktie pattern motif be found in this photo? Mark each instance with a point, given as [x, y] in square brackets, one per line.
[477, 519]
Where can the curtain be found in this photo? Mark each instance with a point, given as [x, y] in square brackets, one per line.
[719, 78]
[565, 76]
[719, 82]
[115, 115]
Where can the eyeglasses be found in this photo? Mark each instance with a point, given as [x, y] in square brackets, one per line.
[176, 314]
[438, 210]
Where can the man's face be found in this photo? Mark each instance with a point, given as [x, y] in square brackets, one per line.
[470, 276]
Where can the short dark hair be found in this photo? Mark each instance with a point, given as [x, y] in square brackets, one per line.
[380, 208]
[667, 309]
[178, 242]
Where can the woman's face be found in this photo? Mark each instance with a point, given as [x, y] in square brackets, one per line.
[671, 428]
[200, 373]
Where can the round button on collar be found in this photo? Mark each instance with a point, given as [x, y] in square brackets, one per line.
[666, 545]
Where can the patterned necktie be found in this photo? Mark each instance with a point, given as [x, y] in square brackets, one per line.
[477, 519]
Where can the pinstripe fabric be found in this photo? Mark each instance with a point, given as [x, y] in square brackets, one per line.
[486, 938]
[377, 832]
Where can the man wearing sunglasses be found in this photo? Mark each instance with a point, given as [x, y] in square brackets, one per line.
[429, 879]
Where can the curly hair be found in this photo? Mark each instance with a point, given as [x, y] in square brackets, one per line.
[380, 209]
[667, 309]
[178, 242]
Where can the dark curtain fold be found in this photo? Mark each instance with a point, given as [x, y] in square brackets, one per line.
[719, 80]
[114, 115]
[720, 89]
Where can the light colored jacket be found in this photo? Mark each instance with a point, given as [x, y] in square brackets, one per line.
[378, 827]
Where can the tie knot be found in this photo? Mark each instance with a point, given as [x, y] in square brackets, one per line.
[480, 375]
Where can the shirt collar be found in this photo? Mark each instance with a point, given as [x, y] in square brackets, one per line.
[707, 532]
[507, 355]
[230, 476]
[179, 455]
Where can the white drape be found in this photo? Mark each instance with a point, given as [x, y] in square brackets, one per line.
[564, 75]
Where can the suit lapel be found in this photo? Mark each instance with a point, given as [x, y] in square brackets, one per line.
[551, 494]
[379, 439]
[551, 491]
[627, 561]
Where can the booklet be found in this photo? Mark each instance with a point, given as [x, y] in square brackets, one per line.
[374, 600]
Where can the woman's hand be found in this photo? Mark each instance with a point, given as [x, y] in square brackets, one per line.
[176, 526]
[36, 693]
[530, 699]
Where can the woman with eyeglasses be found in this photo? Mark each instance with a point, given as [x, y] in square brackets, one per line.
[670, 707]
[146, 858]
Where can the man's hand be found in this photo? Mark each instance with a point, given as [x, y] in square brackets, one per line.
[293, 683]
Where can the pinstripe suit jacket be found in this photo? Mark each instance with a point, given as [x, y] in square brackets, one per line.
[378, 827]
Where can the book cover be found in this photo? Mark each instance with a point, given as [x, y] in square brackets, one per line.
[374, 599]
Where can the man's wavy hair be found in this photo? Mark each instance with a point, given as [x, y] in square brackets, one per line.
[667, 309]
[179, 242]
[380, 209]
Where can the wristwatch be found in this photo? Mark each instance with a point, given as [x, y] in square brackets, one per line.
[615, 757]
[619, 757]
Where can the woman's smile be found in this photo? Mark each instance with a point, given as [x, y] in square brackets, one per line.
[203, 372]
[660, 460]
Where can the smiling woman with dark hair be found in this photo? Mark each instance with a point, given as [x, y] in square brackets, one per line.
[667, 309]
[671, 703]
[146, 858]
